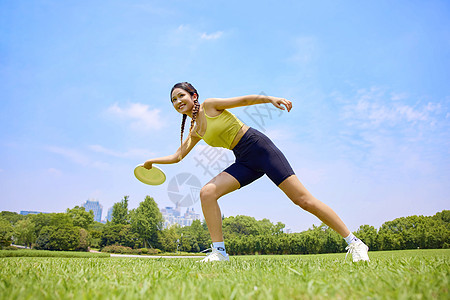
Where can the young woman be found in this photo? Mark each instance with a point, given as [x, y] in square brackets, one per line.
[256, 155]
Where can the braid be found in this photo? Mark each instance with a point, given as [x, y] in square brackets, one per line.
[194, 118]
[194, 114]
[183, 121]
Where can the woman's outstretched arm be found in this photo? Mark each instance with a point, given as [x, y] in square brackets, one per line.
[226, 103]
[184, 150]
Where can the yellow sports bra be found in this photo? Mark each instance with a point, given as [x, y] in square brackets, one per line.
[221, 130]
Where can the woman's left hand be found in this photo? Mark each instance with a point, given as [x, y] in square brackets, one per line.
[278, 102]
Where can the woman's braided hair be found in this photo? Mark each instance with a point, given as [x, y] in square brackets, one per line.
[192, 91]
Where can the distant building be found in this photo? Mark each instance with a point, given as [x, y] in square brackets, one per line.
[109, 215]
[172, 216]
[27, 212]
[96, 207]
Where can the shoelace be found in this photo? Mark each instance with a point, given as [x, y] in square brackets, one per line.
[351, 248]
[209, 255]
[206, 250]
[212, 255]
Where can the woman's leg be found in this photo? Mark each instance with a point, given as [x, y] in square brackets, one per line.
[220, 185]
[295, 190]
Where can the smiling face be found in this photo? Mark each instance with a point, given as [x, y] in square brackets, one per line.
[182, 101]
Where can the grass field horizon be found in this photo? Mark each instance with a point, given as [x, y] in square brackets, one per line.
[407, 274]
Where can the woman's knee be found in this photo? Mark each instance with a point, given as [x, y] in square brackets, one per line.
[298, 194]
[305, 201]
[208, 193]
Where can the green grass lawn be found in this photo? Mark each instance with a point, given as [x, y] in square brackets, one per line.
[45, 253]
[416, 274]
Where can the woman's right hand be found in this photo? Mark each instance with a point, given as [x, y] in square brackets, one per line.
[278, 102]
[148, 165]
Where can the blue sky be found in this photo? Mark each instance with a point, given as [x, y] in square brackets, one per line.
[84, 93]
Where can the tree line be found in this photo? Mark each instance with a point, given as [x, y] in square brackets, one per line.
[411, 232]
[142, 228]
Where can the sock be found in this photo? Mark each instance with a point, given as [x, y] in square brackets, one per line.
[220, 246]
[351, 238]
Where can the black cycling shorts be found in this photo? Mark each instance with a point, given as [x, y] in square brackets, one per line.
[257, 155]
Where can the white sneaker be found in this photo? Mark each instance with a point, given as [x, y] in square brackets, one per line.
[215, 255]
[358, 250]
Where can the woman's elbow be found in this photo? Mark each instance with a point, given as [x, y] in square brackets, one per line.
[177, 157]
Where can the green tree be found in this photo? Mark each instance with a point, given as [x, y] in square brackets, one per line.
[119, 234]
[240, 225]
[277, 229]
[415, 232]
[436, 233]
[110, 234]
[54, 219]
[368, 234]
[56, 231]
[6, 232]
[58, 238]
[296, 243]
[84, 240]
[324, 240]
[168, 238]
[265, 227]
[332, 242]
[188, 243]
[147, 221]
[81, 217]
[245, 225]
[24, 232]
[43, 240]
[95, 232]
[444, 216]
[201, 235]
[11, 217]
[120, 213]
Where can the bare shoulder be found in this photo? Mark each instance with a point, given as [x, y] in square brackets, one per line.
[210, 107]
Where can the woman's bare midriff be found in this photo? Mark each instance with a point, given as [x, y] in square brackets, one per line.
[239, 135]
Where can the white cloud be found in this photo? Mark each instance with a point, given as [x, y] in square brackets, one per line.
[211, 36]
[76, 157]
[70, 154]
[187, 34]
[373, 109]
[140, 116]
[138, 153]
[392, 137]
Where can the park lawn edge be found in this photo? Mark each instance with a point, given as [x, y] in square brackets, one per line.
[48, 253]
